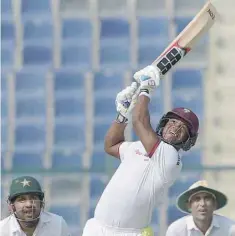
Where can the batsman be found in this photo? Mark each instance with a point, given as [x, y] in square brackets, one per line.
[148, 167]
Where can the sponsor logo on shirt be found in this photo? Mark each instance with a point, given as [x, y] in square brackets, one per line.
[178, 161]
[138, 152]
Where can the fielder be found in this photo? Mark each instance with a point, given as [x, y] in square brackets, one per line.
[201, 201]
[148, 166]
[26, 203]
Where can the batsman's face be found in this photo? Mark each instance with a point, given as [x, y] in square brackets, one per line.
[202, 206]
[27, 206]
[175, 131]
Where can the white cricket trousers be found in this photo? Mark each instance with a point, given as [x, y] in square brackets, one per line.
[94, 228]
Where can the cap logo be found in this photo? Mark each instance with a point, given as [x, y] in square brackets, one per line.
[186, 110]
[26, 183]
[202, 183]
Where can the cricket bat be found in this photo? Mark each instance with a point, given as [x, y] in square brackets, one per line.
[185, 41]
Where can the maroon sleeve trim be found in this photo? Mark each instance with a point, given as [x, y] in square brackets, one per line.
[154, 148]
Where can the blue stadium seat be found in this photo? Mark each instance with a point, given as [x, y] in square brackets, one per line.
[101, 161]
[69, 86]
[3, 158]
[65, 186]
[115, 6]
[30, 135]
[134, 137]
[150, 27]
[4, 106]
[189, 98]
[6, 7]
[91, 212]
[98, 160]
[4, 110]
[187, 90]
[30, 87]
[186, 179]
[150, 6]
[37, 55]
[115, 55]
[106, 87]
[7, 54]
[181, 23]
[27, 160]
[3, 82]
[187, 78]
[156, 107]
[155, 216]
[114, 44]
[7, 30]
[2, 188]
[100, 130]
[70, 106]
[69, 81]
[70, 213]
[112, 163]
[35, 7]
[38, 29]
[69, 134]
[2, 168]
[174, 214]
[105, 106]
[192, 158]
[77, 29]
[30, 106]
[77, 54]
[180, 186]
[28, 80]
[112, 7]
[97, 186]
[114, 28]
[185, 5]
[75, 230]
[4, 132]
[148, 51]
[103, 82]
[65, 160]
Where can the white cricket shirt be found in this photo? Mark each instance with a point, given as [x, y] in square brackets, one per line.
[48, 225]
[185, 226]
[138, 185]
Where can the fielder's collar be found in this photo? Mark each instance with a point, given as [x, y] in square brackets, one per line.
[191, 225]
[15, 227]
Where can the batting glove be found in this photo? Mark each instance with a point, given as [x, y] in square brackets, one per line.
[125, 102]
[149, 80]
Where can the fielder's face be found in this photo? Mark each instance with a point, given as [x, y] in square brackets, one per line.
[202, 206]
[175, 131]
[27, 206]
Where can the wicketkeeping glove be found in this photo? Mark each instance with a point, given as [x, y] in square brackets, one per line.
[125, 102]
[149, 80]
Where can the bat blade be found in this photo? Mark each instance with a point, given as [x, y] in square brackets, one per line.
[185, 41]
